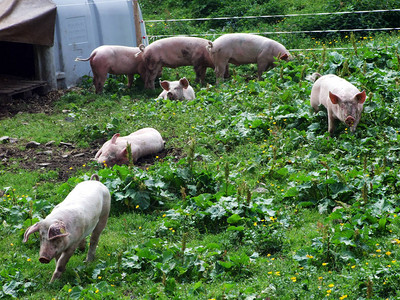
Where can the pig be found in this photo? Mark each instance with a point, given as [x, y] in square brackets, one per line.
[177, 90]
[175, 52]
[84, 211]
[244, 48]
[341, 99]
[142, 142]
[118, 60]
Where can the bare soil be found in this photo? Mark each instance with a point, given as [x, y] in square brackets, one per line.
[64, 158]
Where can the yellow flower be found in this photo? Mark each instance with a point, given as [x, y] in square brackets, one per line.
[156, 156]
[309, 256]
[140, 227]
[270, 273]
[388, 253]
[96, 291]
[331, 285]
[163, 215]
[320, 278]
[277, 273]
[255, 224]
[11, 244]
[99, 277]
[70, 290]
[70, 168]
[137, 206]
[28, 259]
[329, 291]
[324, 264]
[294, 279]
[353, 267]
[378, 250]
[343, 297]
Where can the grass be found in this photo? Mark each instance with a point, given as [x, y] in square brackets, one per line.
[254, 201]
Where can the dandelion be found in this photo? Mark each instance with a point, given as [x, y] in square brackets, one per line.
[342, 297]
[28, 259]
[70, 290]
[140, 227]
[164, 215]
[99, 277]
[156, 156]
[324, 264]
[309, 256]
[320, 278]
[137, 206]
[331, 285]
[277, 273]
[294, 279]
[268, 255]
[378, 250]
[11, 244]
[83, 165]
[388, 253]
[96, 291]
[70, 168]
[329, 291]
[255, 224]
[269, 273]
[353, 267]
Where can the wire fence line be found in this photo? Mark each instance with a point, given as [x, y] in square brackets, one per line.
[288, 32]
[216, 34]
[276, 16]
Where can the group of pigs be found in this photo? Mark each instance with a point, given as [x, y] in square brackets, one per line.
[85, 210]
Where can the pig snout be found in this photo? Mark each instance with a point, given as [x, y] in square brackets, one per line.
[171, 96]
[349, 121]
[44, 260]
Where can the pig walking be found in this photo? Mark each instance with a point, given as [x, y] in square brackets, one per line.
[84, 211]
[142, 142]
[175, 52]
[341, 99]
[245, 48]
[118, 60]
[177, 90]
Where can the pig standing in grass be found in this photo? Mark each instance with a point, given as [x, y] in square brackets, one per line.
[177, 90]
[142, 142]
[245, 48]
[84, 211]
[118, 60]
[341, 99]
[175, 52]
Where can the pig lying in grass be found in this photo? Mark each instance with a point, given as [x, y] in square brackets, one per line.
[142, 142]
[84, 211]
[245, 48]
[118, 60]
[177, 90]
[341, 99]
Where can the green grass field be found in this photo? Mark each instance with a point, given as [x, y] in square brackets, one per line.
[253, 199]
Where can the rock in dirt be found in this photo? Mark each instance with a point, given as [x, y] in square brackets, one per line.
[32, 144]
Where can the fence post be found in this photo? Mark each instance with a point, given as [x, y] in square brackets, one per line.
[136, 17]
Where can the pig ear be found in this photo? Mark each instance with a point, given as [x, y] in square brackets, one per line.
[284, 56]
[30, 230]
[335, 99]
[56, 230]
[184, 82]
[360, 97]
[114, 138]
[98, 154]
[165, 85]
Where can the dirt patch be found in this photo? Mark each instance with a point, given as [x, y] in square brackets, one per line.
[64, 158]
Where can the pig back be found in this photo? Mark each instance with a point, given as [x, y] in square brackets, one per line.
[83, 207]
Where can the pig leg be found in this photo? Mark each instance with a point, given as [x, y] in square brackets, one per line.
[98, 81]
[94, 238]
[62, 262]
[262, 67]
[220, 70]
[200, 73]
[331, 122]
[130, 80]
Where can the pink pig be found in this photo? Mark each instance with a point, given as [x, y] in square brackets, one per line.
[341, 99]
[245, 48]
[84, 211]
[143, 142]
[175, 52]
[177, 90]
[118, 60]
